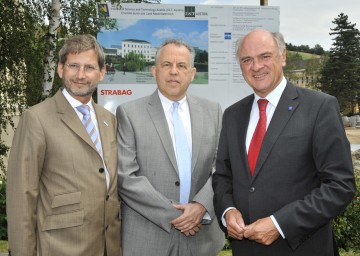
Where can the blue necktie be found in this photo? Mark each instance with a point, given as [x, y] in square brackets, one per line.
[90, 126]
[183, 155]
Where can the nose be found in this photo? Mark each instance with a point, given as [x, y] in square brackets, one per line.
[173, 69]
[81, 72]
[257, 64]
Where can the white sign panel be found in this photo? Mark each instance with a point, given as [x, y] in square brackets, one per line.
[211, 29]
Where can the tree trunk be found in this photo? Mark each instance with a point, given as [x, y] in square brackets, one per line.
[50, 65]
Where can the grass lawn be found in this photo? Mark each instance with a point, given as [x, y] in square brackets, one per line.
[3, 246]
[228, 253]
[225, 253]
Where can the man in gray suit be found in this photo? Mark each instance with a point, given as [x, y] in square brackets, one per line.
[164, 213]
[280, 201]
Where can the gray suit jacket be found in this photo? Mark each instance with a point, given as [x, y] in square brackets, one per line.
[304, 174]
[148, 176]
[57, 201]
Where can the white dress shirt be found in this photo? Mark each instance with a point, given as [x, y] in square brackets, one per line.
[75, 103]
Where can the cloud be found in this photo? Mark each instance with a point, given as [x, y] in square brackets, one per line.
[126, 23]
[163, 33]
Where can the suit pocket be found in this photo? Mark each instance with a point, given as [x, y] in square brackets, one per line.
[65, 220]
[66, 212]
[66, 199]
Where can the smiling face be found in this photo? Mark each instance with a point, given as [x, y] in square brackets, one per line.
[173, 71]
[260, 62]
[81, 83]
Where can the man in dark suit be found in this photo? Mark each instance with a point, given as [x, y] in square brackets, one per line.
[277, 195]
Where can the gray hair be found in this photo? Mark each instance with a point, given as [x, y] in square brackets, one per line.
[179, 43]
[277, 36]
[81, 43]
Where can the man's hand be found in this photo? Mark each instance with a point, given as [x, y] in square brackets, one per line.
[262, 231]
[235, 224]
[189, 222]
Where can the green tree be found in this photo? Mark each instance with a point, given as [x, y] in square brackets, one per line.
[21, 57]
[134, 61]
[340, 75]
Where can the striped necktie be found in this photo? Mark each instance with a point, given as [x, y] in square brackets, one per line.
[90, 126]
[183, 156]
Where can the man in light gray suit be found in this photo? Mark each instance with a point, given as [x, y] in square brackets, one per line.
[156, 218]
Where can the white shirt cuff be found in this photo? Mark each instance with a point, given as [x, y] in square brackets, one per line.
[277, 226]
[223, 221]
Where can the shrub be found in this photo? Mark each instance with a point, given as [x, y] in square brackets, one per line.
[346, 226]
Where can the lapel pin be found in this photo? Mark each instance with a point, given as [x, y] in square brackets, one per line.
[106, 123]
[290, 108]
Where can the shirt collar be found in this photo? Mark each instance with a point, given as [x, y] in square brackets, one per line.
[167, 103]
[74, 102]
[274, 96]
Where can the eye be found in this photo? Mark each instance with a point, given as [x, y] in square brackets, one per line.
[165, 64]
[182, 66]
[74, 66]
[89, 68]
[246, 60]
[266, 57]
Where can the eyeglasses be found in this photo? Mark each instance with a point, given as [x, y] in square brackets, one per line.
[76, 67]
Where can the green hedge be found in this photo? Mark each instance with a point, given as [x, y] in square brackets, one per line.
[346, 226]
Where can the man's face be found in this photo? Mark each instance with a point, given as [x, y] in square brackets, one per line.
[173, 72]
[260, 62]
[81, 74]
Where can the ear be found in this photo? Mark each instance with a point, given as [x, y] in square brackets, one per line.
[60, 69]
[283, 58]
[153, 71]
[102, 73]
[193, 73]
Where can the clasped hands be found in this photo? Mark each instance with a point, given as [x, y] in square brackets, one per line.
[189, 222]
[262, 231]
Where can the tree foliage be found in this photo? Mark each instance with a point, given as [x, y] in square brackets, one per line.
[317, 49]
[21, 56]
[340, 75]
[30, 38]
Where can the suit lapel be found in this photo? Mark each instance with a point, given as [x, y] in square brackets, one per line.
[197, 128]
[241, 128]
[284, 110]
[157, 115]
[70, 118]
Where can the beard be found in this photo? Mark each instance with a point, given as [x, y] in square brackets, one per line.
[87, 88]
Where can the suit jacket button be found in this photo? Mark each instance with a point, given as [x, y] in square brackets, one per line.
[101, 170]
[252, 190]
[177, 183]
[107, 197]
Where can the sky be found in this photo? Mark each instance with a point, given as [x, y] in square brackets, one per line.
[301, 22]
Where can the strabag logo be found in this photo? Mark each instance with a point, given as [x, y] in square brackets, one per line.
[116, 92]
[189, 11]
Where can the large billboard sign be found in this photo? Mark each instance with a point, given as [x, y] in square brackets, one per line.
[211, 29]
